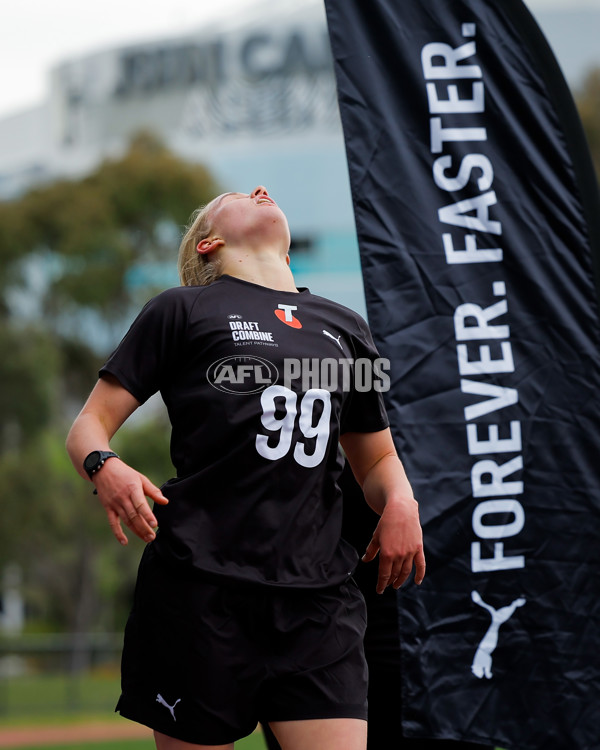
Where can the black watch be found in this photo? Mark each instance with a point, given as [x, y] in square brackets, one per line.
[94, 461]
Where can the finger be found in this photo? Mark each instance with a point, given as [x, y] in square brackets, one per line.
[135, 519]
[420, 567]
[371, 551]
[142, 510]
[141, 506]
[115, 524]
[140, 527]
[403, 574]
[153, 492]
[385, 575]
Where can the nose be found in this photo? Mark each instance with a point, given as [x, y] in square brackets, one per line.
[259, 190]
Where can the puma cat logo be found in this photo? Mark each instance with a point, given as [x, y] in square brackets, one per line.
[337, 340]
[163, 702]
[482, 661]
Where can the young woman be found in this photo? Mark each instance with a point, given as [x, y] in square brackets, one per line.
[245, 609]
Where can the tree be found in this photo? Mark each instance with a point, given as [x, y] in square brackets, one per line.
[89, 235]
[68, 256]
[28, 383]
[72, 254]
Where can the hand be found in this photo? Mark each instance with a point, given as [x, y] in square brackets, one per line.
[398, 539]
[122, 491]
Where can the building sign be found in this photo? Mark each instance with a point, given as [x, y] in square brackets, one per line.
[257, 57]
[264, 82]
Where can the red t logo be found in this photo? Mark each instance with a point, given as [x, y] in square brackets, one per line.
[284, 313]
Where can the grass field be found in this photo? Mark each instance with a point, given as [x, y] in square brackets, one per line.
[254, 742]
[61, 700]
[112, 745]
[54, 696]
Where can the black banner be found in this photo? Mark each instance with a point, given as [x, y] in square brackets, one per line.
[477, 215]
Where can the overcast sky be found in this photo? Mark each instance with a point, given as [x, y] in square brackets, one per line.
[36, 34]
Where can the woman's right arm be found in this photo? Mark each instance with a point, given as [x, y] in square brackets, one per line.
[121, 489]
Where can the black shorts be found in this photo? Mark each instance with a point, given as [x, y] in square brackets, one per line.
[204, 663]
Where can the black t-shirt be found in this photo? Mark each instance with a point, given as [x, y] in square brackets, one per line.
[259, 384]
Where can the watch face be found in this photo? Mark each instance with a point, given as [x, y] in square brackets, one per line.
[91, 461]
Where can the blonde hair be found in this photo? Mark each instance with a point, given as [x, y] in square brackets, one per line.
[196, 269]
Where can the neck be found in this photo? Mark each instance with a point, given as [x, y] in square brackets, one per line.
[267, 270]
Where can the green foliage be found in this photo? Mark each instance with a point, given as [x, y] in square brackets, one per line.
[145, 445]
[67, 250]
[79, 367]
[110, 745]
[90, 233]
[56, 530]
[28, 381]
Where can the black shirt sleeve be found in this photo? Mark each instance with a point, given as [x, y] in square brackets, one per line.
[364, 410]
[150, 349]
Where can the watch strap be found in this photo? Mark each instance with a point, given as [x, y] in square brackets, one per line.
[94, 461]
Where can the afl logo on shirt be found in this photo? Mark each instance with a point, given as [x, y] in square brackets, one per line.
[285, 314]
[242, 375]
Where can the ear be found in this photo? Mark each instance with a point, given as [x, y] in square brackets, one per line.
[209, 244]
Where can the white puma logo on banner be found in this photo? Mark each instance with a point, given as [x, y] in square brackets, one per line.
[482, 661]
[163, 702]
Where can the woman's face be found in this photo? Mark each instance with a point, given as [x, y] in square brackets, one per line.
[242, 218]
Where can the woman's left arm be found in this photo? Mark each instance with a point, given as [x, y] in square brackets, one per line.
[398, 537]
